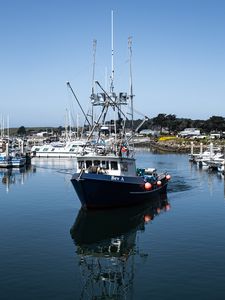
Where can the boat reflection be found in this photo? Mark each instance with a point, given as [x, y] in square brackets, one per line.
[13, 176]
[106, 243]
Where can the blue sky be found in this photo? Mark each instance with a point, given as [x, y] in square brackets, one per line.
[178, 57]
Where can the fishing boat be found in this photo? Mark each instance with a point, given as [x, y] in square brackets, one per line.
[110, 178]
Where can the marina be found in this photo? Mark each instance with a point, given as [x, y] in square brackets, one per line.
[212, 158]
[120, 194]
[169, 249]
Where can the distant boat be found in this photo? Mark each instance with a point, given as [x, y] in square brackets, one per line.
[68, 150]
[204, 157]
[8, 161]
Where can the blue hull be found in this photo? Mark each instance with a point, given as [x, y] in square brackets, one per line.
[105, 191]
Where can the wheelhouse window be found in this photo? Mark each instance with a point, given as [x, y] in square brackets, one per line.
[96, 162]
[124, 167]
[105, 164]
[81, 164]
[114, 165]
[88, 163]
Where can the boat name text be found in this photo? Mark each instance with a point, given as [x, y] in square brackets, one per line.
[115, 178]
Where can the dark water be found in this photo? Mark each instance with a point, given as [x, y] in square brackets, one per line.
[172, 249]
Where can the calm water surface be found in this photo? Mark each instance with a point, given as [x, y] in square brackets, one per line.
[172, 249]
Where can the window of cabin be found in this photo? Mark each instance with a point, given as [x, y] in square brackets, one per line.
[105, 164]
[88, 163]
[81, 164]
[114, 165]
[96, 162]
[124, 167]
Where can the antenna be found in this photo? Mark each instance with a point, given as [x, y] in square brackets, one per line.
[112, 66]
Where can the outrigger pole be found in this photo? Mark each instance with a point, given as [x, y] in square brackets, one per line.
[68, 84]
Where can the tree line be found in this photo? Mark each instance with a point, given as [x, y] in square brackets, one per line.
[175, 125]
[160, 122]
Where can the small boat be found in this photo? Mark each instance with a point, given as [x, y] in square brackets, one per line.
[9, 161]
[110, 178]
[203, 158]
[4, 161]
[215, 163]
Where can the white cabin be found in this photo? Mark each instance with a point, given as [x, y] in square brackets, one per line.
[108, 165]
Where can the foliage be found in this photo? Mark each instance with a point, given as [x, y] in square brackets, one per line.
[21, 131]
[161, 121]
[173, 124]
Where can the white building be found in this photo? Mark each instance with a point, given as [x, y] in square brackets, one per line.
[189, 132]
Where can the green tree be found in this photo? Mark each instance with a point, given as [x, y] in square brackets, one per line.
[21, 131]
[170, 122]
[160, 121]
[215, 123]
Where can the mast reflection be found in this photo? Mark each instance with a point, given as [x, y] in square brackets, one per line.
[13, 176]
[106, 243]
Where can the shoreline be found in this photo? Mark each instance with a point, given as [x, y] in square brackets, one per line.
[173, 146]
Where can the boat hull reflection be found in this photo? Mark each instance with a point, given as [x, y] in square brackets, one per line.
[96, 225]
[106, 243]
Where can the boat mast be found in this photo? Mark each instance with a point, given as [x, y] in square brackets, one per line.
[112, 72]
[93, 80]
[131, 84]
[112, 58]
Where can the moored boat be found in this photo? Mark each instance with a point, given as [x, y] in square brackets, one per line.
[68, 150]
[9, 161]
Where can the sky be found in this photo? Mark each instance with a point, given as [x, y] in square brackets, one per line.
[178, 57]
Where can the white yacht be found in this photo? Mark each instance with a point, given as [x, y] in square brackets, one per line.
[69, 149]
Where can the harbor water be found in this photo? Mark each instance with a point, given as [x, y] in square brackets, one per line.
[169, 249]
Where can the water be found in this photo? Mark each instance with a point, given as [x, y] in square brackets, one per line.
[170, 250]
